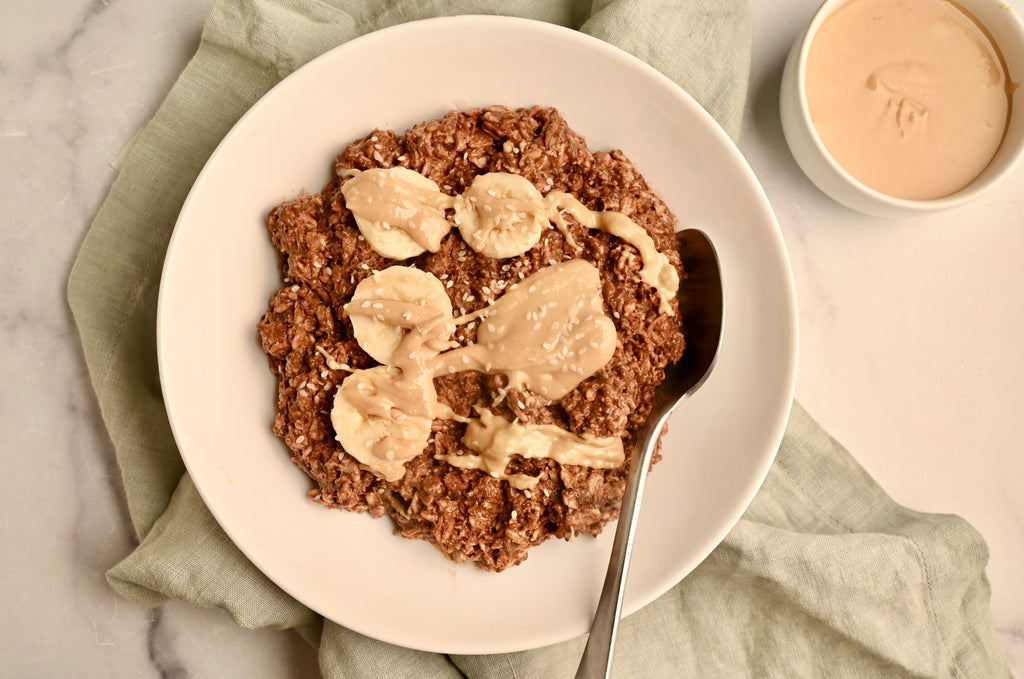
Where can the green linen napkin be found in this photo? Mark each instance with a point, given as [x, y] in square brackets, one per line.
[823, 576]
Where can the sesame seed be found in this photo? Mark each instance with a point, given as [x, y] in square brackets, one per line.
[514, 514]
[300, 440]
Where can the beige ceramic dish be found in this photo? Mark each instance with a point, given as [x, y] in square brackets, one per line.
[221, 269]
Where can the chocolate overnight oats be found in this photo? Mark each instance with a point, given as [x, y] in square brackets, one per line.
[474, 317]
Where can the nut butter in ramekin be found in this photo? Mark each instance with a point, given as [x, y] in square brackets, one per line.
[900, 107]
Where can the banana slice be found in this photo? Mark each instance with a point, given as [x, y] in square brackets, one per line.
[375, 335]
[400, 213]
[370, 431]
[501, 215]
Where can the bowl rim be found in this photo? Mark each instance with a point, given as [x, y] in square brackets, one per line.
[977, 186]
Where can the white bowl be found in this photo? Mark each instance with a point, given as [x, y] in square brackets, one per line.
[221, 269]
[1004, 26]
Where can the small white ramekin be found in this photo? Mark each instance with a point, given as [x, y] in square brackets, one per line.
[1004, 26]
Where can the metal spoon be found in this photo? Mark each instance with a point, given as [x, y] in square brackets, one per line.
[700, 305]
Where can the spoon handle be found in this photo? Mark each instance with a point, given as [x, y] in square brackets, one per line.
[597, 656]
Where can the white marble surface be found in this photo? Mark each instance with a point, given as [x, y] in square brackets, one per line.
[910, 345]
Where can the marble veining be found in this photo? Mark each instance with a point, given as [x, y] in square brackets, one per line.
[910, 336]
[167, 664]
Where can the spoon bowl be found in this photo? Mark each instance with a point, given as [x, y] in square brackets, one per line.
[700, 305]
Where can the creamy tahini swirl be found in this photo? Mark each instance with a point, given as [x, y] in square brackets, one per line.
[385, 196]
[546, 334]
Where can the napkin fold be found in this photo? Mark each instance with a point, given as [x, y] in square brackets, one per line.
[824, 575]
